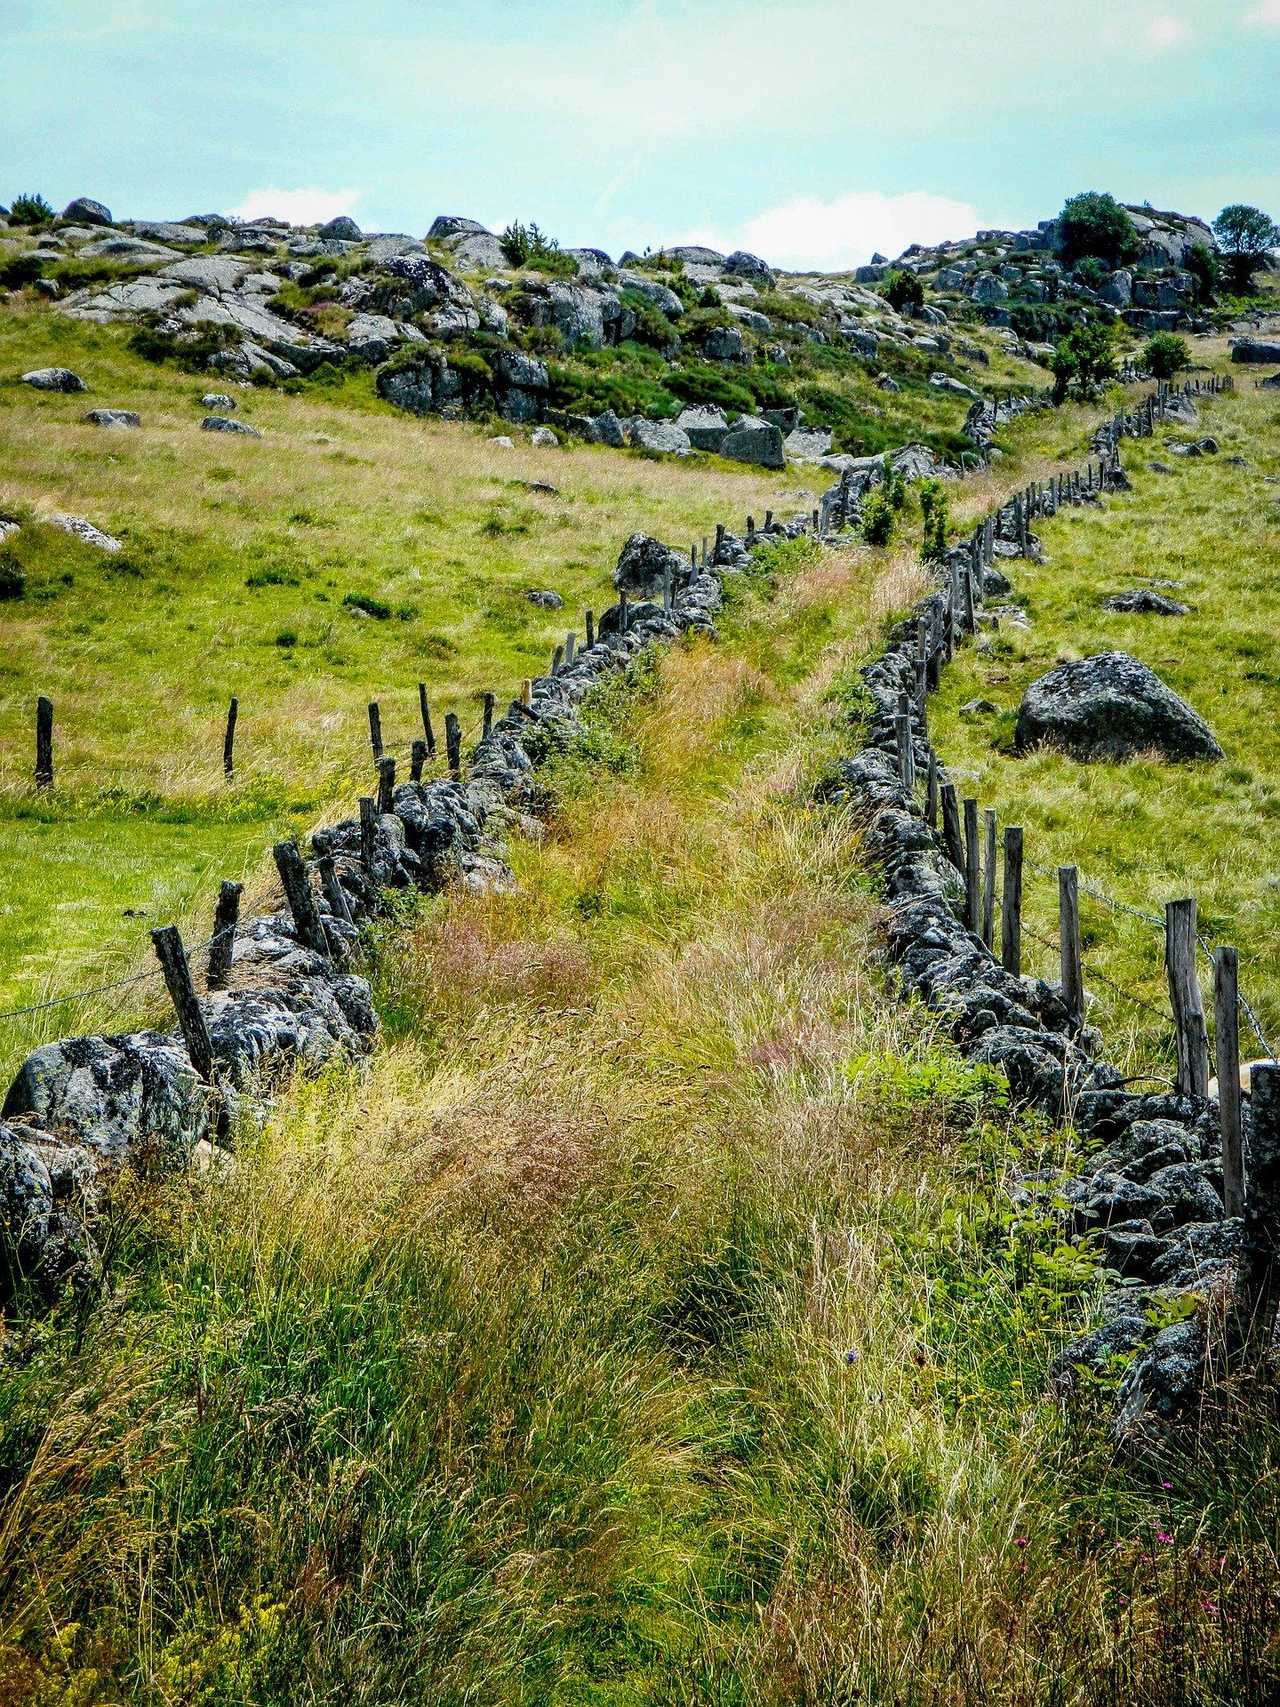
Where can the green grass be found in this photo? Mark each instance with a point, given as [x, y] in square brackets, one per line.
[646, 1323]
[344, 508]
[1148, 832]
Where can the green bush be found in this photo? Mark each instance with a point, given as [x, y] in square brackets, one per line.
[22, 270]
[191, 350]
[1094, 224]
[879, 518]
[30, 209]
[1202, 264]
[13, 580]
[652, 326]
[369, 605]
[1085, 359]
[1246, 237]
[707, 383]
[1165, 355]
[286, 639]
[904, 290]
[527, 246]
[934, 509]
[1090, 271]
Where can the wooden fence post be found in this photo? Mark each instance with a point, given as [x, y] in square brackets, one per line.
[989, 878]
[1069, 941]
[906, 755]
[368, 831]
[226, 916]
[972, 867]
[557, 659]
[487, 726]
[1011, 903]
[570, 648]
[1184, 994]
[591, 629]
[624, 613]
[931, 792]
[302, 903]
[952, 839]
[386, 783]
[417, 759]
[526, 693]
[1226, 1013]
[177, 977]
[44, 742]
[453, 743]
[666, 588]
[428, 732]
[229, 738]
[1262, 1203]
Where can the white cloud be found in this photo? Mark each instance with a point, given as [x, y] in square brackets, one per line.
[1265, 17]
[1164, 32]
[845, 231]
[309, 206]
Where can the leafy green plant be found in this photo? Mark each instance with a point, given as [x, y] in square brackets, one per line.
[21, 271]
[879, 518]
[1085, 359]
[1165, 354]
[933, 508]
[368, 604]
[1090, 271]
[904, 290]
[1246, 236]
[30, 209]
[1204, 267]
[528, 246]
[13, 579]
[1094, 224]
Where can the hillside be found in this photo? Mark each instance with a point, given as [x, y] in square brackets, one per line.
[595, 1265]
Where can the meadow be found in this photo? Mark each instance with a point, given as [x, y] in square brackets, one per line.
[1206, 531]
[646, 1322]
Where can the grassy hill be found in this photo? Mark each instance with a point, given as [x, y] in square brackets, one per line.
[1207, 531]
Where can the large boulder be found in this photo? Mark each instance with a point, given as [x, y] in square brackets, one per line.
[1110, 707]
[478, 252]
[706, 427]
[750, 439]
[747, 266]
[113, 1094]
[642, 563]
[343, 228]
[85, 211]
[1255, 350]
[454, 225]
[666, 436]
[723, 344]
[54, 379]
[989, 291]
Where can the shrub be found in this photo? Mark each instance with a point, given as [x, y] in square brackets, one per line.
[369, 605]
[20, 271]
[1165, 355]
[30, 209]
[879, 518]
[191, 349]
[652, 326]
[13, 580]
[933, 507]
[707, 383]
[527, 246]
[1085, 358]
[1094, 224]
[1202, 264]
[286, 638]
[1090, 271]
[904, 290]
[710, 298]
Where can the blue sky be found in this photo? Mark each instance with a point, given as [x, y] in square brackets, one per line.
[810, 131]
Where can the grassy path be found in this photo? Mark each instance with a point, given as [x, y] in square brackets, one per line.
[645, 1323]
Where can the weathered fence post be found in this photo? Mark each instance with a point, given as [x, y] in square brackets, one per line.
[906, 754]
[177, 977]
[570, 648]
[226, 916]
[557, 659]
[453, 744]
[624, 613]
[931, 792]
[591, 629]
[1184, 994]
[229, 738]
[526, 693]
[1011, 903]
[1226, 1015]
[719, 539]
[417, 759]
[952, 839]
[44, 742]
[989, 878]
[386, 783]
[428, 732]
[487, 726]
[1262, 1203]
[375, 730]
[368, 831]
[1069, 941]
[666, 588]
[297, 892]
[972, 867]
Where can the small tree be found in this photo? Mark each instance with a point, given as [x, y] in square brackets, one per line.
[1085, 359]
[1246, 237]
[30, 209]
[1165, 355]
[933, 507]
[904, 291]
[1202, 264]
[1094, 223]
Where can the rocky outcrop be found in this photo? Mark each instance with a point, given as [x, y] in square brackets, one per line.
[1111, 707]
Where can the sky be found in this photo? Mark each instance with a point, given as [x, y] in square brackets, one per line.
[813, 132]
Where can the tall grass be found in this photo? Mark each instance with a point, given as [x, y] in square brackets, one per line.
[648, 1322]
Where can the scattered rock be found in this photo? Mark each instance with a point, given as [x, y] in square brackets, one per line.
[750, 439]
[224, 424]
[544, 598]
[85, 531]
[544, 438]
[663, 436]
[1142, 601]
[642, 563]
[1197, 447]
[1255, 350]
[503, 441]
[218, 400]
[977, 708]
[54, 379]
[112, 418]
[343, 227]
[705, 427]
[1110, 707]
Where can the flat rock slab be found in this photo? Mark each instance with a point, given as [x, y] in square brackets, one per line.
[224, 424]
[86, 532]
[1111, 707]
[113, 418]
[1142, 601]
